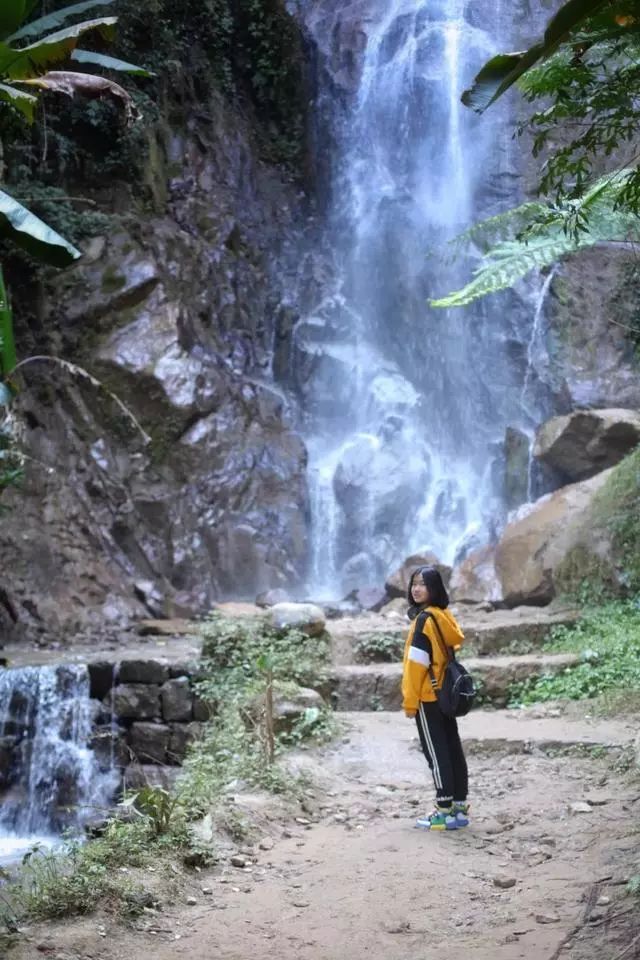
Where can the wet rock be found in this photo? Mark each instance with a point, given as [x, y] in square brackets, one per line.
[516, 468]
[136, 701]
[475, 579]
[368, 598]
[102, 676]
[269, 598]
[581, 444]
[304, 616]
[397, 584]
[177, 700]
[149, 742]
[142, 671]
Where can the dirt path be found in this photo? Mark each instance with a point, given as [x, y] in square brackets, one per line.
[359, 881]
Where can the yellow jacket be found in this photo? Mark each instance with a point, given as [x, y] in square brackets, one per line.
[426, 649]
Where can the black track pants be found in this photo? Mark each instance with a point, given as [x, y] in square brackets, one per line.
[441, 746]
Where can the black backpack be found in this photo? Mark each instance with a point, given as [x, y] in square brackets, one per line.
[457, 693]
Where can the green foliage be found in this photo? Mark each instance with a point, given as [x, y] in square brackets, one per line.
[535, 235]
[505, 69]
[233, 650]
[238, 655]
[608, 640]
[617, 506]
[158, 809]
[378, 648]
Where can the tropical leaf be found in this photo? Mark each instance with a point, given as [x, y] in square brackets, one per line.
[33, 235]
[503, 70]
[87, 84]
[12, 13]
[54, 49]
[7, 345]
[53, 20]
[24, 102]
[109, 63]
[547, 239]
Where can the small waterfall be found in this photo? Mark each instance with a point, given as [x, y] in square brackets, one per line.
[49, 777]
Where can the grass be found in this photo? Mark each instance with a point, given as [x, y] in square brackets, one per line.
[154, 825]
[607, 638]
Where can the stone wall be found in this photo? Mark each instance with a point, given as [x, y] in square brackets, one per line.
[147, 712]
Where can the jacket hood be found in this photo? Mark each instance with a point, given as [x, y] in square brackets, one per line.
[448, 624]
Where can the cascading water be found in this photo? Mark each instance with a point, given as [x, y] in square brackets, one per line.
[49, 777]
[406, 406]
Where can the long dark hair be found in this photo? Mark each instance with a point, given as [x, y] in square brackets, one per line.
[438, 596]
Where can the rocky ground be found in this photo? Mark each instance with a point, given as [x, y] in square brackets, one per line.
[540, 873]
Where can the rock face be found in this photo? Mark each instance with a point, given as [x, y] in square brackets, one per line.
[476, 579]
[398, 583]
[583, 443]
[532, 549]
[184, 315]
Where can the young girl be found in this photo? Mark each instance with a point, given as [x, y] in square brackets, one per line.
[424, 663]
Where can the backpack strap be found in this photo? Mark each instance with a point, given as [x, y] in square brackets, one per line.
[421, 620]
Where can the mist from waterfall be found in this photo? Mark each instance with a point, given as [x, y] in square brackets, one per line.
[406, 406]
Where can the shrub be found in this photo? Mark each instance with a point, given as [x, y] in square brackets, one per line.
[378, 648]
[608, 640]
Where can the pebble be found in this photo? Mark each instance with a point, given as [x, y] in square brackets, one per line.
[504, 883]
[546, 918]
[207, 891]
[191, 901]
[603, 901]
[303, 820]
[300, 903]
[266, 843]
[580, 807]
[238, 860]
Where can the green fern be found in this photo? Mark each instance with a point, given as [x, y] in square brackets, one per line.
[534, 236]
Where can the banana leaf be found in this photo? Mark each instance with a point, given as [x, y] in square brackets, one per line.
[33, 235]
[24, 102]
[503, 70]
[109, 63]
[53, 20]
[7, 345]
[54, 49]
[12, 13]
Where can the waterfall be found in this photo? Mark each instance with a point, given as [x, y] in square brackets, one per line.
[49, 778]
[406, 407]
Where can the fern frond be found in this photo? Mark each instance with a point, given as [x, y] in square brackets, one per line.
[550, 234]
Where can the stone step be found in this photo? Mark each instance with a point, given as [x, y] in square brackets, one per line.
[518, 631]
[384, 747]
[377, 685]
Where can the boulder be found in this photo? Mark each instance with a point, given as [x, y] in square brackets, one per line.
[305, 616]
[136, 701]
[149, 742]
[177, 700]
[287, 710]
[270, 597]
[142, 671]
[397, 583]
[369, 598]
[476, 580]
[582, 444]
[534, 546]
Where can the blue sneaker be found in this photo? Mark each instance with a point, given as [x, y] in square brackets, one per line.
[461, 813]
[438, 820]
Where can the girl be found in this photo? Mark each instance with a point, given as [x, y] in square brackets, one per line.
[424, 662]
